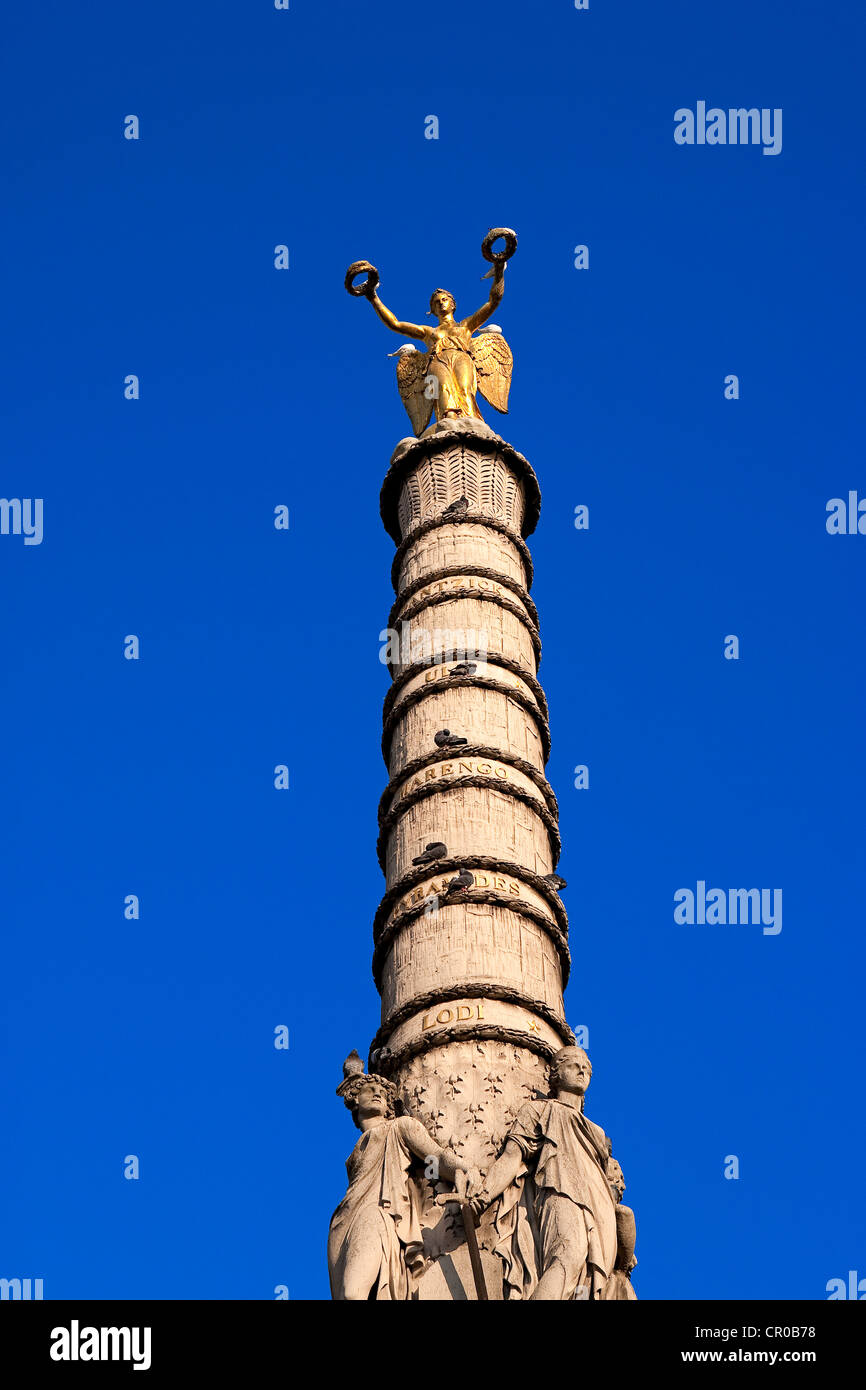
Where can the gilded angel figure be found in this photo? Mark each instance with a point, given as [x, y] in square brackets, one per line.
[461, 357]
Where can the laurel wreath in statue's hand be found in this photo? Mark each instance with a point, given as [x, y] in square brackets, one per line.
[498, 258]
[367, 287]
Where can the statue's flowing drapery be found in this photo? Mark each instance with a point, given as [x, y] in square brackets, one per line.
[382, 1205]
[570, 1163]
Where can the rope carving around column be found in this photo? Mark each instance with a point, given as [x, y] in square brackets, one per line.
[469, 569]
[508, 663]
[454, 682]
[487, 864]
[475, 895]
[387, 1062]
[469, 750]
[474, 779]
[477, 596]
[485, 989]
[474, 518]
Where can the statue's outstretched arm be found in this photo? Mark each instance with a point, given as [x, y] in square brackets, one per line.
[408, 330]
[497, 290]
[425, 1147]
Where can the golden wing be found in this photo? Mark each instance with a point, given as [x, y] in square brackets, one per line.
[494, 364]
[411, 373]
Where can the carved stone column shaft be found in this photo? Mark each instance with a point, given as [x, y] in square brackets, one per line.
[471, 978]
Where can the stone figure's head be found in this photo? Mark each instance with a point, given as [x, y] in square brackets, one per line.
[571, 1071]
[368, 1097]
[442, 302]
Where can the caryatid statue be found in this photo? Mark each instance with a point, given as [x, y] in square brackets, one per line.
[558, 1223]
[375, 1242]
[456, 365]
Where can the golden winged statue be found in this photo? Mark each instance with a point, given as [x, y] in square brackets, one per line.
[460, 357]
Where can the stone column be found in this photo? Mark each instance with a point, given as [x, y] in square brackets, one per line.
[471, 980]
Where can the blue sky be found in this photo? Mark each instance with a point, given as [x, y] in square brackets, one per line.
[262, 387]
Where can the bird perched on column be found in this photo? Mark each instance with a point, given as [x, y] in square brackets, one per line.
[460, 884]
[353, 1066]
[435, 850]
[555, 882]
[461, 505]
[463, 668]
[445, 739]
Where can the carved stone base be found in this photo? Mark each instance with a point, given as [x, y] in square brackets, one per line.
[451, 1278]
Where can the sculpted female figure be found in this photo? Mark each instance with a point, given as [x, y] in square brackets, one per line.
[375, 1244]
[570, 1206]
[456, 365]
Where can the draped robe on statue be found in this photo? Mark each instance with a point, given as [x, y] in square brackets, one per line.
[381, 1205]
[450, 361]
[569, 1184]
